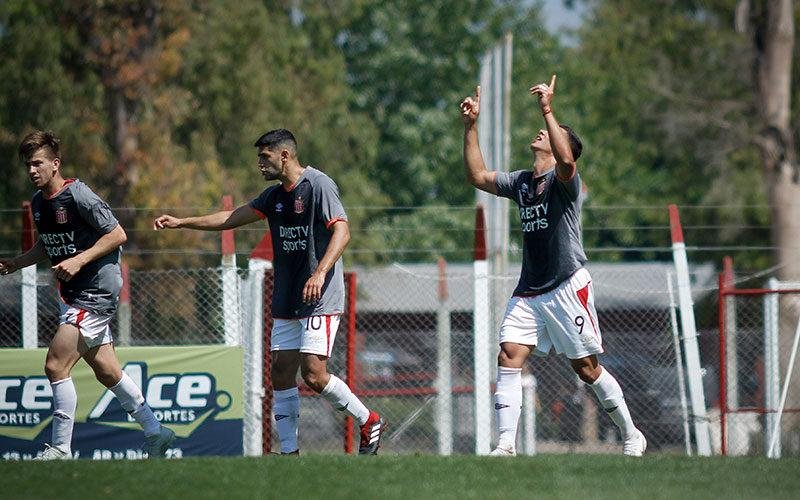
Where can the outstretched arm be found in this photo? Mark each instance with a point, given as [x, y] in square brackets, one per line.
[217, 221]
[559, 143]
[477, 174]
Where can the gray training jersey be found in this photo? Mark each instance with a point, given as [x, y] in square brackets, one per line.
[68, 223]
[300, 219]
[549, 211]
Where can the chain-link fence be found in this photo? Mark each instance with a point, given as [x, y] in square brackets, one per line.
[407, 349]
[760, 414]
[400, 337]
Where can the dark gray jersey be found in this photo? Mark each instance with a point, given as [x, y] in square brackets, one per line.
[300, 219]
[549, 212]
[69, 223]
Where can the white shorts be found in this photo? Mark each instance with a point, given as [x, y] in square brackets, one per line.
[564, 318]
[312, 335]
[94, 328]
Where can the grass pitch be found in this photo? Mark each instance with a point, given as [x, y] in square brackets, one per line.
[405, 477]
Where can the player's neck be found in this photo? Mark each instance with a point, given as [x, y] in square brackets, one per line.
[54, 186]
[292, 174]
[542, 163]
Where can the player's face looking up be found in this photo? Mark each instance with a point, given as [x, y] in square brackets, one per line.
[270, 163]
[541, 142]
[41, 167]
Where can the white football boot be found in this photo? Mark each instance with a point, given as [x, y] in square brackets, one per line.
[635, 445]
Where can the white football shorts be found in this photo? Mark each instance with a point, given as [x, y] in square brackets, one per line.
[312, 335]
[563, 318]
[94, 328]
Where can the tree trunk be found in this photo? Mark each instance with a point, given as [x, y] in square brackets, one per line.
[773, 37]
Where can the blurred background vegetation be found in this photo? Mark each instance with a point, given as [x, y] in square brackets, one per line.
[158, 104]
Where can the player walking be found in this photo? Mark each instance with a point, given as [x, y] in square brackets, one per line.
[553, 304]
[309, 233]
[82, 239]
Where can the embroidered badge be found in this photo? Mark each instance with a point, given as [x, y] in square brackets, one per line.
[541, 187]
[61, 215]
[298, 206]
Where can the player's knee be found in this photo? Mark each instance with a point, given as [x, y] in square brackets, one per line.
[314, 380]
[55, 369]
[587, 373]
[108, 378]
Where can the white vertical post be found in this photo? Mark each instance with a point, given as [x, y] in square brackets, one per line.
[494, 131]
[481, 344]
[772, 376]
[253, 357]
[786, 380]
[444, 382]
[529, 414]
[30, 322]
[679, 366]
[693, 367]
[231, 309]
[29, 292]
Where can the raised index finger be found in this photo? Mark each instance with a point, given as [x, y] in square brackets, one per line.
[553, 83]
[478, 93]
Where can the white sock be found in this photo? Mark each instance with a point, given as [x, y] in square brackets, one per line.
[65, 400]
[610, 395]
[343, 399]
[286, 410]
[132, 401]
[507, 404]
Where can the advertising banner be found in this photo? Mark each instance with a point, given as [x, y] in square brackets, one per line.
[195, 391]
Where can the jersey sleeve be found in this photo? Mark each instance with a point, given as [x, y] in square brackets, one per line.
[94, 210]
[259, 204]
[329, 206]
[571, 187]
[506, 183]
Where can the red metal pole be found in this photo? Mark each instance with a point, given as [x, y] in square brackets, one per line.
[228, 245]
[350, 364]
[28, 234]
[266, 405]
[723, 381]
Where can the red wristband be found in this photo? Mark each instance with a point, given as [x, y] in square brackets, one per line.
[546, 111]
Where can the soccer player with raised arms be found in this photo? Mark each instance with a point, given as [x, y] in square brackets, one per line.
[82, 239]
[309, 232]
[553, 303]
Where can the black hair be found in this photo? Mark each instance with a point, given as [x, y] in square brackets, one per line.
[575, 143]
[276, 138]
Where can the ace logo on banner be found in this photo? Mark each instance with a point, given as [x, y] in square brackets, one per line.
[195, 391]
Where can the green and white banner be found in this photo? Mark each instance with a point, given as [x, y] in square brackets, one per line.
[195, 391]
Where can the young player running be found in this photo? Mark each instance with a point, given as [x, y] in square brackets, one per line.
[82, 239]
[309, 233]
[553, 304]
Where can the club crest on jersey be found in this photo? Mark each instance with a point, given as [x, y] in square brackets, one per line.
[61, 215]
[298, 206]
[541, 187]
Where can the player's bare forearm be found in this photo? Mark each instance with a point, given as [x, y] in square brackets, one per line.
[477, 173]
[559, 143]
[217, 221]
[104, 245]
[209, 222]
[339, 241]
[36, 254]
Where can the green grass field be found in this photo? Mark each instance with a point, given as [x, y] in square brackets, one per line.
[406, 477]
